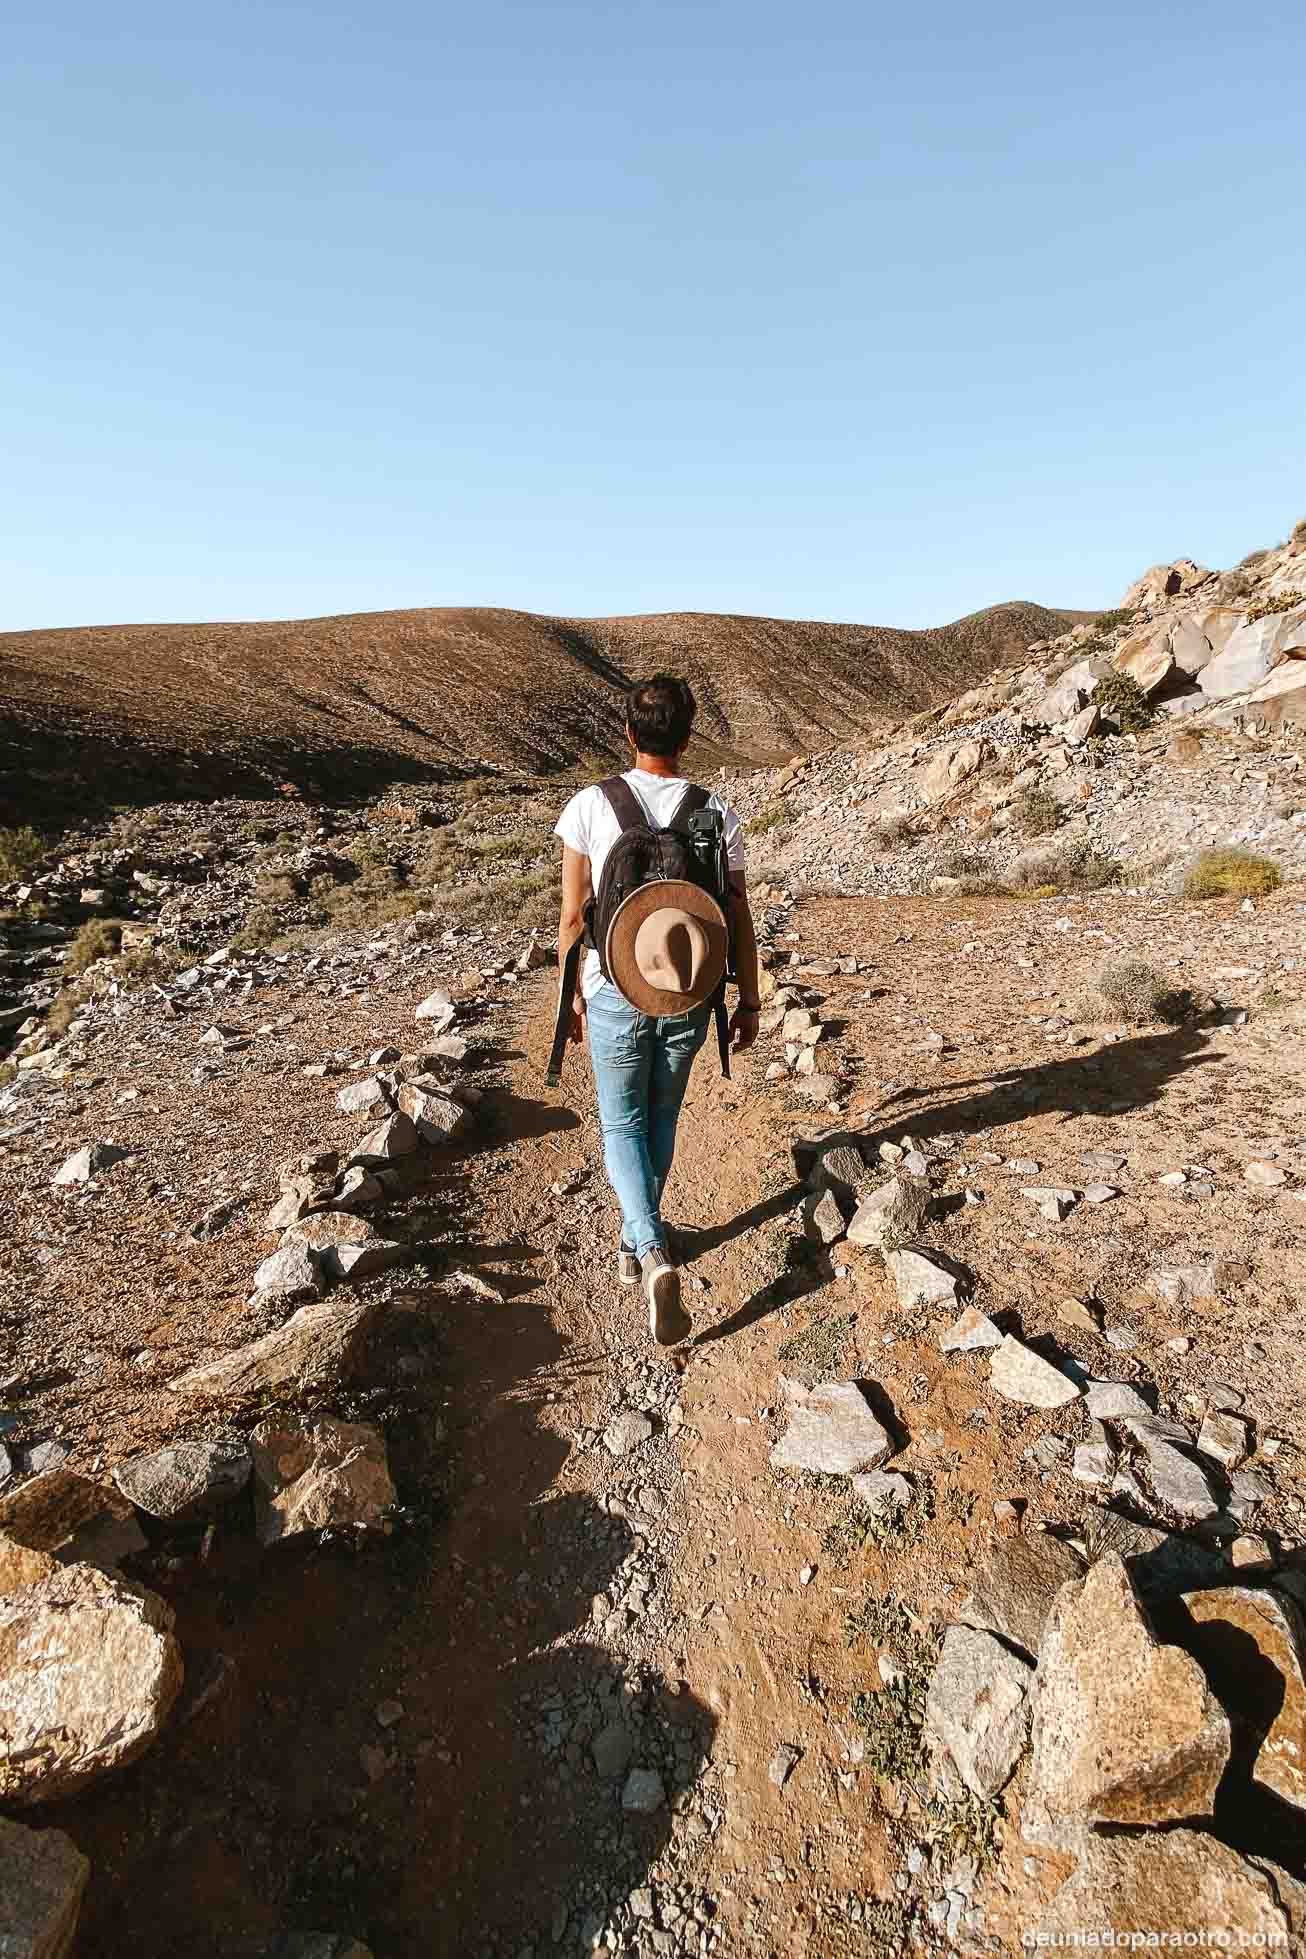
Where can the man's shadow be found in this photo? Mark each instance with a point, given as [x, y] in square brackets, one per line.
[1111, 1080]
[430, 1740]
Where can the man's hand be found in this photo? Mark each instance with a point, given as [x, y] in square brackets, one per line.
[743, 1028]
[576, 1022]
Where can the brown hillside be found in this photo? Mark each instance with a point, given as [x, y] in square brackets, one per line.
[113, 713]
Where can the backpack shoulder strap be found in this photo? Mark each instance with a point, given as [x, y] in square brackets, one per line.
[693, 800]
[624, 804]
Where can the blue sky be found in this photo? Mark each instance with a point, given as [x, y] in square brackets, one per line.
[842, 311]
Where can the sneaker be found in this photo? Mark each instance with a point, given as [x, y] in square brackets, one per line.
[668, 1321]
[628, 1272]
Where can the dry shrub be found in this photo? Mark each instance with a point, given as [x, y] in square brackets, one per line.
[1132, 990]
[278, 888]
[769, 818]
[1282, 602]
[99, 938]
[65, 1008]
[21, 851]
[1055, 868]
[891, 831]
[1037, 812]
[1232, 873]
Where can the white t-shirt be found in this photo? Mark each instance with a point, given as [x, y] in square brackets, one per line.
[588, 825]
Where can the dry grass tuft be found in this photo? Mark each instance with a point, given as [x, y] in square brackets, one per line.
[21, 851]
[1232, 873]
[99, 938]
[1134, 991]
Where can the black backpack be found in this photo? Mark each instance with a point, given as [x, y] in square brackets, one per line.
[691, 848]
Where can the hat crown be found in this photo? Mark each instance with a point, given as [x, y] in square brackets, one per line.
[671, 949]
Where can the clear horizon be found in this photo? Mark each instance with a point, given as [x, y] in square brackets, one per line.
[588, 311]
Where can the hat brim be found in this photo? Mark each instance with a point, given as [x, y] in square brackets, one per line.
[619, 952]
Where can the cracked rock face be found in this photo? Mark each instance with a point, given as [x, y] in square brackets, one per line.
[1126, 1730]
[1251, 1643]
[1174, 1882]
[89, 1669]
[319, 1476]
[42, 1878]
[977, 1706]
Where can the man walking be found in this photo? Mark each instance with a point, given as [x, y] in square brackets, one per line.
[641, 1055]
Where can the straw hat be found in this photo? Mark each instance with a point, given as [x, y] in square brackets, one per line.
[666, 947]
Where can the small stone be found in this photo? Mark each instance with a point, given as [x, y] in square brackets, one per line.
[891, 1215]
[1100, 1193]
[394, 1138]
[882, 1489]
[292, 1272]
[185, 1481]
[644, 1793]
[1177, 1283]
[1251, 1553]
[1094, 1462]
[1124, 1338]
[1111, 1401]
[969, 1334]
[1052, 1203]
[823, 1219]
[1019, 1374]
[925, 1278]
[312, 1475]
[1014, 1584]
[1079, 1313]
[42, 1878]
[1180, 1483]
[612, 1748]
[1266, 1176]
[783, 1763]
[626, 1431]
[87, 1162]
[1224, 1437]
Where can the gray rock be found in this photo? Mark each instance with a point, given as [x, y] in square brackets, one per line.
[830, 1430]
[186, 1480]
[360, 1098]
[971, 1333]
[626, 1431]
[88, 1161]
[1113, 1401]
[1100, 1193]
[1014, 1583]
[925, 1278]
[1050, 1201]
[1019, 1374]
[612, 1749]
[438, 1009]
[291, 1272]
[439, 1118]
[42, 1878]
[1104, 1163]
[882, 1489]
[394, 1138]
[356, 1262]
[644, 1793]
[823, 1219]
[1094, 1461]
[977, 1707]
[316, 1344]
[1181, 1484]
[891, 1215]
[1177, 1283]
[840, 1167]
[783, 1763]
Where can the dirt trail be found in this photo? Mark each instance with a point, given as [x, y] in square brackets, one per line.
[426, 1742]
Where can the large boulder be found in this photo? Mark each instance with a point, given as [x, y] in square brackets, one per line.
[1163, 582]
[1126, 1730]
[42, 1877]
[1252, 653]
[945, 771]
[319, 1475]
[315, 1344]
[977, 1707]
[1164, 1885]
[1252, 1646]
[70, 1518]
[831, 1430]
[1147, 658]
[89, 1669]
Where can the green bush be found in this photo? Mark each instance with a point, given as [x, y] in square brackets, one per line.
[1120, 696]
[1120, 615]
[1232, 873]
[21, 850]
[770, 818]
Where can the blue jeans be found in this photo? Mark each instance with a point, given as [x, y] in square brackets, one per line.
[641, 1069]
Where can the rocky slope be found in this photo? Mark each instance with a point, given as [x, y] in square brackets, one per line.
[111, 714]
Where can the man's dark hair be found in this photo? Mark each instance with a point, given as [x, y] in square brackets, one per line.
[660, 713]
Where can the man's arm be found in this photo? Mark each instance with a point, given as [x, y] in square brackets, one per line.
[743, 1022]
[576, 889]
